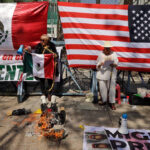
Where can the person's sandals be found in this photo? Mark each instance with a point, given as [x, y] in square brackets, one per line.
[102, 103]
[112, 106]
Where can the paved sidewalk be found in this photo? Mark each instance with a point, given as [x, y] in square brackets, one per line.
[19, 132]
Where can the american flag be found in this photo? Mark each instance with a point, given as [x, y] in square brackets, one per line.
[87, 26]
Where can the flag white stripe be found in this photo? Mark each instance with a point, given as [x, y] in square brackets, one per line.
[121, 64]
[6, 20]
[38, 59]
[94, 21]
[93, 10]
[83, 52]
[82, 62]
[96, 52]
[134, 65]
[133, 55]
[114, 43]
[96, 32]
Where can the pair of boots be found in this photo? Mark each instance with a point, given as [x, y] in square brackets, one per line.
[43, 98]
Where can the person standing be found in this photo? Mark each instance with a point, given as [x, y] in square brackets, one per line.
[107, 62]
[47, 47]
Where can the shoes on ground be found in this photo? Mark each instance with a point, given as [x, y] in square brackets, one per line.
[112, 106]
[102, 103]
[43, 99]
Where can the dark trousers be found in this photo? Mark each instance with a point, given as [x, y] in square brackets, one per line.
[45, 89]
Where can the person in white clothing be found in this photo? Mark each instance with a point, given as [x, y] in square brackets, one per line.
[106, 74]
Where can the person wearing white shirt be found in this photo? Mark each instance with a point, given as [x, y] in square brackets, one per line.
[107, 62]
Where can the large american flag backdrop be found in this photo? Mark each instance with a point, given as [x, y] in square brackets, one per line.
[87, 26]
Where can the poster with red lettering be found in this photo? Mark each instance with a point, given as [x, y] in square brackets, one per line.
[103, 138]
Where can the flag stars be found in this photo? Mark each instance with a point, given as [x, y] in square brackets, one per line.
[142, 31]
[139, 23]
[145, 21]
[133, 11]
[141, 11]
[135, 37]
[138, 28]
[134, 25]
[133, 18]
[142, 18]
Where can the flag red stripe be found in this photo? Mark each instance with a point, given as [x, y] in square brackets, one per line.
[94, 57]
[86, 47]
[83, 66]
[95, 26]
[29, 22]
[82, 57]
[98, 47]
[129, 49]
[83, 5]
[134, 60]
[49, 65]
[134, 69]
[118, 68]
[94, 16]
[96, 37]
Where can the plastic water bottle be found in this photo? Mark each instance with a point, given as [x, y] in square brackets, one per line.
[124, 100]
[123, 128]
[127, 99]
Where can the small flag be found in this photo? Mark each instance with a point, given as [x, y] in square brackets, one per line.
[39, 65]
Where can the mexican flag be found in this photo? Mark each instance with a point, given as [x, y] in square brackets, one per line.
[22, 24]
[39, 65]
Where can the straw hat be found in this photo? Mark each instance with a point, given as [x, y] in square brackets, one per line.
[107, 44]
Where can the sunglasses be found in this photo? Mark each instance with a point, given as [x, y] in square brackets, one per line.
[42, 40]
[107, 48]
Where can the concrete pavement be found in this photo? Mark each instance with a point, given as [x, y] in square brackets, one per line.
[19, 132]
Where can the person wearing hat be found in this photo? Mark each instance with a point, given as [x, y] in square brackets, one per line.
[106, 74]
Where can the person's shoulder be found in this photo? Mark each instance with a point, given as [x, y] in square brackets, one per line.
[39, 45]
[51, 43]
[113, 53]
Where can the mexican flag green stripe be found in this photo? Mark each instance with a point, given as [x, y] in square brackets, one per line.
[39, 65]
[28, 64]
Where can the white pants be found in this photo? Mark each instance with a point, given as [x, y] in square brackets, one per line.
[104, 85]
